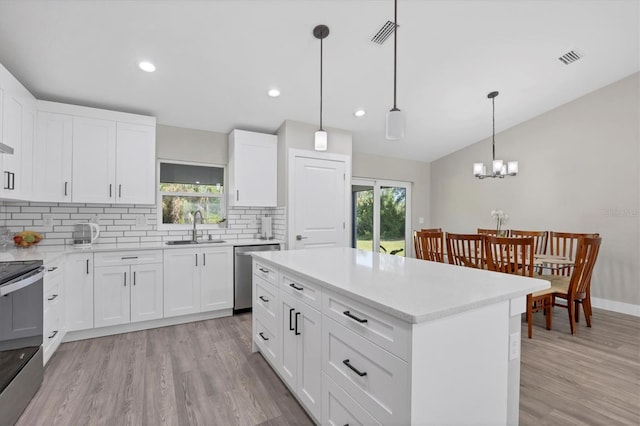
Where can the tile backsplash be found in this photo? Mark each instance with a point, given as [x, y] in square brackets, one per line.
[126, 223]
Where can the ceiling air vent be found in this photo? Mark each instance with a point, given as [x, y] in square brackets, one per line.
[383, 33]
[570, 57]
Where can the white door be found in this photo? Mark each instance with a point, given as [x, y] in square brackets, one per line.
[181, 282]
[146, 292]
[135, 164]
[52, 157]
[94, 157]
[318, 191]
[216, 278]
[79, 291]
[112, 295]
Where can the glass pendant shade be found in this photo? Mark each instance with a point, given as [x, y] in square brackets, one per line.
[320, 140]
[479, 169]
[512, 168]
[498, 165]
[395, 124]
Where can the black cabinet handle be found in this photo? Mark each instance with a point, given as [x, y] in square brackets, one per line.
[52, 269]
[196, 259]
[358, 372]
[125, 279]
[290, 320]
[120, 190]
[53, 297]
[8, 185]
[261, 334]
[296, 287]
[110, 187]
[350, 315]
[264, 299]
[128, 257]
[65, 188]
[297, 333]
[134, 277]
[204, 259]
[264, 271]
[13, 181]
[87, 266]
[53, 334]
[237, 194]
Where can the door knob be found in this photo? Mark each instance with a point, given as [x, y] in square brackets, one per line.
[300, 237]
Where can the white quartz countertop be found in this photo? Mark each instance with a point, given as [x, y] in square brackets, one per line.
[51, 253]
[410, 289]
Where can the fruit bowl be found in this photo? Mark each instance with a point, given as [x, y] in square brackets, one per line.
[26, 239]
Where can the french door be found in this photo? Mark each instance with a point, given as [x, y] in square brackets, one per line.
[381, 216]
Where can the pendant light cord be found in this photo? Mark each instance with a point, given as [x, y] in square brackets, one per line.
[321, 83]
[493, 143]
[395, 51]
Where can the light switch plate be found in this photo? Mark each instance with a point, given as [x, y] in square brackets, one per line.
[514, 346]
[421, 220]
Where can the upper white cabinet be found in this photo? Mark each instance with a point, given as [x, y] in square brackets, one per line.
[253, 169]
[17, 129]
[52, 157]
[103, 156]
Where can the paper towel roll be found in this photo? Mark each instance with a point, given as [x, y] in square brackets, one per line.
[267, 231]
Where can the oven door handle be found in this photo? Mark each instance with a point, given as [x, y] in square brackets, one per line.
[21, 283]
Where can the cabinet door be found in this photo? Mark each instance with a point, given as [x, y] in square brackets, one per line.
[11, 133]
[289, 352]
[52, 157]
[112, 295]
[181, 282]
[146, 292]
[135, 164]
[94, 157]
[254, 169]
[79, 291]
[216, 278]
[309, 358]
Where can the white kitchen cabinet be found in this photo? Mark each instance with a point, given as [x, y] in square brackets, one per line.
[135, 163]
[54, 308]
[197, 280]
[52, 157]
[253, 169]
[79, 291]
[301, 360]
[127, 288]
[18, 121]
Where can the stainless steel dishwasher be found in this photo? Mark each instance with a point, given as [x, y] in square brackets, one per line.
[242, 299]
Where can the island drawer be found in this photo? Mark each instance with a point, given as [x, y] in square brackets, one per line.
[265, 338]
[266, 301]
[265, 272]
[382, 329]
[339, 409]
[309, 293]
[128, 258]
[374, 378]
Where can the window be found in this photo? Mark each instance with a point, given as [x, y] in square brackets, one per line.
[185, 188]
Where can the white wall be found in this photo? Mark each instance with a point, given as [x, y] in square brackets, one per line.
[416, 172]
[579, 172]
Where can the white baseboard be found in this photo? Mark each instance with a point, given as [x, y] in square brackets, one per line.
[612, 305]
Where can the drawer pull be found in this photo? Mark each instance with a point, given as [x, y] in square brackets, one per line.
[358, 372]
[295, 287]
[290, 320]
[296, 332]
[52, 269]
[353, 317]
[52, 297]
[264, 299]
[264, 271]
[129, 257]
[261, 334]
[53, 334]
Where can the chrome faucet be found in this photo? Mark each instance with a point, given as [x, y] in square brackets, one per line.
[194, 235]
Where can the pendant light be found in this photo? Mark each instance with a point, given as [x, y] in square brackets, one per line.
[320, 142]
[395, 117]
[499, 169]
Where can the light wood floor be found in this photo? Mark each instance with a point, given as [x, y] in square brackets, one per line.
[203, 373]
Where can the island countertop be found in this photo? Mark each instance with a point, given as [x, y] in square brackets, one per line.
[410, 289]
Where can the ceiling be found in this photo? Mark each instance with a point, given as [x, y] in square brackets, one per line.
[216, 60]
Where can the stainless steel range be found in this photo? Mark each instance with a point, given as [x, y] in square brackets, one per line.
[21, 368]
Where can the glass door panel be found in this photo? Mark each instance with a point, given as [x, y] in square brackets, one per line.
[362, 202]
[393, 214]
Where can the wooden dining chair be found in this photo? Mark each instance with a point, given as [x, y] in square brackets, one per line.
[431, 230]
[466, 250]
[575, 288]
[514, 255]
[430, 245]
[493, 232]
[539, 239]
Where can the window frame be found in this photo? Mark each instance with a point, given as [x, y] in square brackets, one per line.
[183, 227]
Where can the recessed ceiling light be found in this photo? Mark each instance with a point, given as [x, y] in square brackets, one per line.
[147, 66]
[274, 93]
[359, 113]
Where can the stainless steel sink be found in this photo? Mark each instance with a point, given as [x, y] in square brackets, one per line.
[187, 242]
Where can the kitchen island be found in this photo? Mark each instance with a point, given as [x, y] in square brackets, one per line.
[370, 338]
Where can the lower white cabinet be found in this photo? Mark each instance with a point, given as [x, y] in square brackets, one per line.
[53, 308]
[301, 360]
[130, 291]
[79, 291]
[197, 280]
